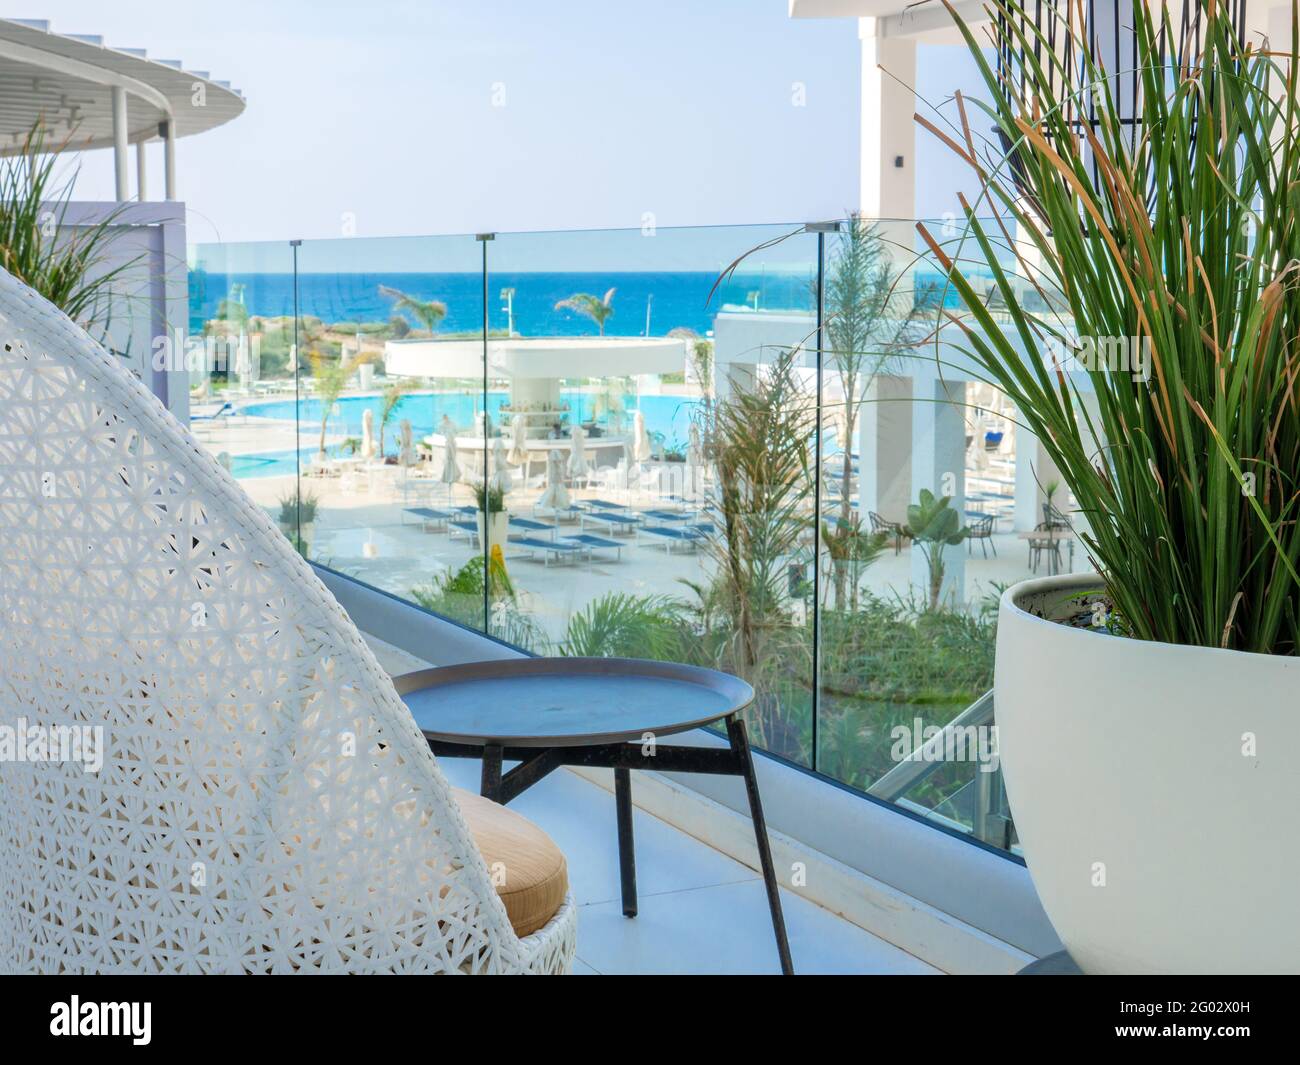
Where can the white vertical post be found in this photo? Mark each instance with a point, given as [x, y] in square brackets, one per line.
[1034, 471]
[887, 193]
[885, 448]
[141, 172]
[119, 143]
[888, 132]
[169, 159]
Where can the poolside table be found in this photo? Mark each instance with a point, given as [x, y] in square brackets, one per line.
[1054, 538]
[612, 713]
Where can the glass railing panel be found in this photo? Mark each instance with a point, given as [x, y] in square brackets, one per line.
[628, 364]
[243, 376]
[683, 453]
[391, 416]
[933, 502]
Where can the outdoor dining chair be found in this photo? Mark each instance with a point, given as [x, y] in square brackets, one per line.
[265, 801]
[892, 529]
[981, 529]
[1046, 543]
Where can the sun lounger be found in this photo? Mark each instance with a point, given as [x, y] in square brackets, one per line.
[210, 416]
[550, 548]
[614, 523]
[601, 505]
[527, 526]
[667, 515]
[428, 517]
[669, 535]
[595, 543]
[467, 529]
[561, 514]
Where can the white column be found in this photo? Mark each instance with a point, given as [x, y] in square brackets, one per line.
[939, 464]
[887, 192]
[169, 159]
[119, 143]
[1034, 470]
[885, 448]
[141, 172]
[888, 132]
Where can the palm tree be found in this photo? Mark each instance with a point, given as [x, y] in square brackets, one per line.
[598, 310]
[331, 377]
[391, 397]
[427, 312]
[871, 320]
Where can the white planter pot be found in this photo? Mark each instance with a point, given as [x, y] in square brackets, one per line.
[497, 531]
[1124, 761]
[290, 529]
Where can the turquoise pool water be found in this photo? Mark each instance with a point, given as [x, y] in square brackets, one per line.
[669, 416]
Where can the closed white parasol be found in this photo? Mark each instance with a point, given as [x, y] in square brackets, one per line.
[500, 470]
[577, 453]
[518, 455]
[368, 434]
[406, 452]
[694, 460]
[450, 465]
[640, 439]
[555, 496]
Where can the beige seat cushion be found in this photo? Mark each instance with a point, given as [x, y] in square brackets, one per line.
[527, 868]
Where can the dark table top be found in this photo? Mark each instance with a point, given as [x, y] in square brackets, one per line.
[567, 702]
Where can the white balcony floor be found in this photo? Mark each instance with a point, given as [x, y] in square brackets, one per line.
[700, 911]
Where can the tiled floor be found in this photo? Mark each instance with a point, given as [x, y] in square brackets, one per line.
[699, 911]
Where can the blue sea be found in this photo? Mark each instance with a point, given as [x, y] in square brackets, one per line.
[661, 300]
[670, 299]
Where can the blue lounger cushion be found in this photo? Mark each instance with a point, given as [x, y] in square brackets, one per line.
[533, 526]
[558, 546]
[587, 540]
[691, 535]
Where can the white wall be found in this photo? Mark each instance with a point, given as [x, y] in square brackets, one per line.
[151, 297]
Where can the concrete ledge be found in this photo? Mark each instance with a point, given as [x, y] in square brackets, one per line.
[914, 926]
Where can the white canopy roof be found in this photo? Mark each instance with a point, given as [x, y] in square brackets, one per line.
[68, 80]
[536, 357]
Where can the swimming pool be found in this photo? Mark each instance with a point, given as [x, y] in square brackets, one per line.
[669, 416]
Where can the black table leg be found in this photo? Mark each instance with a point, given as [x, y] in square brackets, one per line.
[740, 746]
[626, 856]
[490, 781]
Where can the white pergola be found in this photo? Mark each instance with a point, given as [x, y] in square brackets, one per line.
[92, 96]
[534, 368]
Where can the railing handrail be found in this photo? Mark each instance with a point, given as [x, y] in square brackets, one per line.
[918, 765]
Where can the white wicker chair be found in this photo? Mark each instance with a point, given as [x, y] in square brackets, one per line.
[230, 828]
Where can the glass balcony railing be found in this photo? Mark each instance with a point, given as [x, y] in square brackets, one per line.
[709, 445]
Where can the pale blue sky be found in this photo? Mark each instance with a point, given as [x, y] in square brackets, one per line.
[388, 110]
